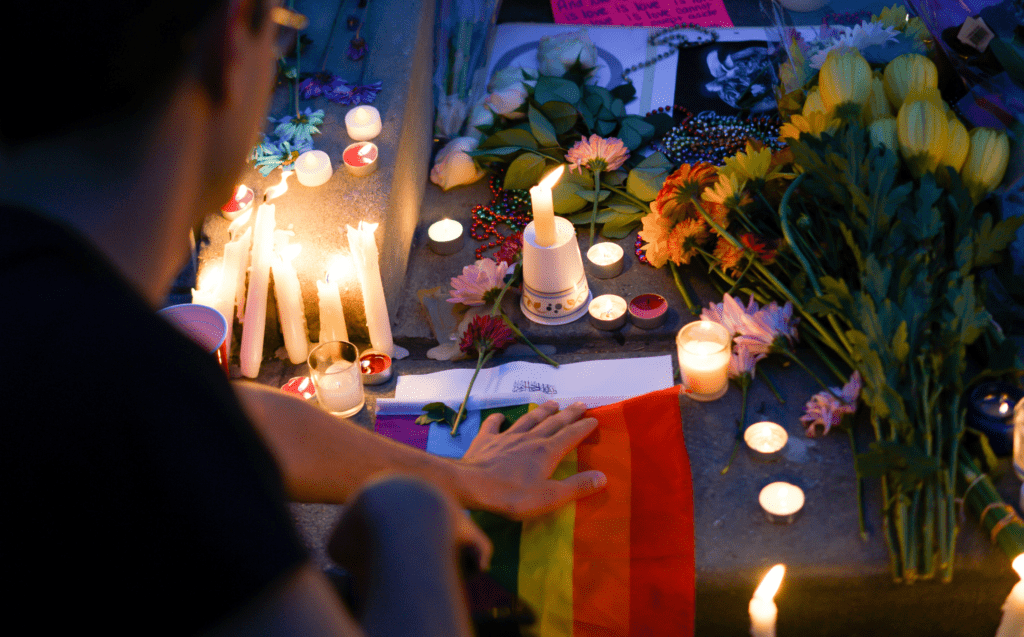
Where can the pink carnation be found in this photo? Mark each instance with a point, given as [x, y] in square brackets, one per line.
[597, 154]
[478, 282]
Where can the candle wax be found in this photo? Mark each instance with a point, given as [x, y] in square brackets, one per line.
[444, 230]
[340, 388]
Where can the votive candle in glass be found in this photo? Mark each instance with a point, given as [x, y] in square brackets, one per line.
[704, 348]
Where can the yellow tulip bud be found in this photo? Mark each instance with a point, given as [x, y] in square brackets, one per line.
[883, 133]
[986, 162]
[957, 144]
[928, 94]
[844, 78]
[877, 105]
[813, 102]
[922, 132]
[907, 72]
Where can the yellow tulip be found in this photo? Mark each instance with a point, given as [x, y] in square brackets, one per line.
[957, 144]
[883, 133]
[813, 102]
[877, 105]
[923, 135]
[928, 94]
[986, 162]
[907, 72]
[844, 78]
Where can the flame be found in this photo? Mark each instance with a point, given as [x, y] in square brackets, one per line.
[209, 278]
[1018, 565]
[339, 269]
[552, 178]
[771, 582]
[1004, 408]
[276, 191]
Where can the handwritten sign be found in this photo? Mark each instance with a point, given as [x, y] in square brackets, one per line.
[642, 13]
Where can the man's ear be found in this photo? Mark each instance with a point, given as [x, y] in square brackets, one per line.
[220, 43]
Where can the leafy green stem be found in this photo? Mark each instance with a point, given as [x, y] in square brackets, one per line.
[481, 360]
[522, 337]
[771, 386]
[643, 205]
[744, 383]
[690, 305]
[597, 200]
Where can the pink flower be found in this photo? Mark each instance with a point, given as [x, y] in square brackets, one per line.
[826, 411]
[597, 154]
[767, 328]
[486, 334]
[729, 313]
[743, 362]
[479, 283]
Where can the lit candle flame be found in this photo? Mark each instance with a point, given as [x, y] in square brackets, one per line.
[276, 191]
[770, 584]
[1004, 408]
[552, 178]
[338, 270]
[1018, 565]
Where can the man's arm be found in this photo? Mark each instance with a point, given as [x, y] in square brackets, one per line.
[325, 459]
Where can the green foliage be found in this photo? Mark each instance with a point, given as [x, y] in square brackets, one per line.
[436, 412]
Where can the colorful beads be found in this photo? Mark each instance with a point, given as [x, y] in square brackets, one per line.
[513, 208]
[709, 137]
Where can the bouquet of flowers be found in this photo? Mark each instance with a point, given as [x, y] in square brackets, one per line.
[873, 225]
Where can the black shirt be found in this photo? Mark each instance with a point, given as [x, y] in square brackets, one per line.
[139, 498]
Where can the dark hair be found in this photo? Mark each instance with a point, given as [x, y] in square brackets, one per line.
[114, 58]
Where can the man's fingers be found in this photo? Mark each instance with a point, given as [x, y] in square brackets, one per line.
[530, 419]
[491, 424]
[570, 436]
[558, 494]
[555, 423]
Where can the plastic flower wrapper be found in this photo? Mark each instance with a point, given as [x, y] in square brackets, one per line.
[572, 52]
[462, 37]
[453, 167]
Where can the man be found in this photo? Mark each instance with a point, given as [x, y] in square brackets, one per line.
[143, 494]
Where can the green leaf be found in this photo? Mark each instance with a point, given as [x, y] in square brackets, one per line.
[656, 160]
[645, 182]
[500, 151]
[436, 412]
[510, 137]
[525, 171]
[625, 92]
[907, 465]
[621, 225]
[990, 240]
[562, 116]
[589, 195]
[618, 108]
[564, 195]
[541, 128]
[604, 128]
[584, 217]
[555, 89]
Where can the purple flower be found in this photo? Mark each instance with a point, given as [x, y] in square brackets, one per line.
[479, 283]
[356, 95]
[825, 410]
[357, 48]
[319, 84]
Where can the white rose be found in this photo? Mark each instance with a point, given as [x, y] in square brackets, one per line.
[506, 101]
[557, 53]
[453, 167]
[451, 113]
[511, 76]
[479, 116]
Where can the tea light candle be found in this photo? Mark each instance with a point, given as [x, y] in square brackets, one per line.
[1012, 624]
[990, 410]
[608, 312]
[360, 158]
[446, 236]
[765, 439]
[375, 367]
[648, 311]
[781, 502]
[313, 168]
[362, 123]
[240, 202]
[704, 351]
[763, 611]
[605, 259]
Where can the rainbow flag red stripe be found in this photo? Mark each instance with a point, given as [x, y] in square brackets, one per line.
[619, 563]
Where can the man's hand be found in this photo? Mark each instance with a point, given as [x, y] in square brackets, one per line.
[512, 469]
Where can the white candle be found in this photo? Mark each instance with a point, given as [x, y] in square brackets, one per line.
[289, 298]
[544, 208]
[367, 265]
[362, 123]
[240, 202]
[340, 388]
[332, 316]
[445, 236]
[360, 158]
[255, 323]
[781, 501]
[1012, 624]
[765, 437]
[605, 259]
[313, 168]
[242, 246]
[763, 611]
[608, 312]
[703, 348]
[232, 284]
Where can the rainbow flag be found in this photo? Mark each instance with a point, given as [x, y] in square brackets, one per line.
[619, 563]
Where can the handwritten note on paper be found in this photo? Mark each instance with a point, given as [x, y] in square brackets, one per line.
[642, 13]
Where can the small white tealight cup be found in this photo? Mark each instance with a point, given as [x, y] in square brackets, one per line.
[446, 236]
[605, 259]
[765, 440]
[782, 502]
[608, 312]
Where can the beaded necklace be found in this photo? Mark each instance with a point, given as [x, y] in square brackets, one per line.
[511, 207]
[709, 137]
[674, 37]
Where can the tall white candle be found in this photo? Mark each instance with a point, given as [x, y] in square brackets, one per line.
[255, 323]
[1012, 624]
[232, 291]
[332, 316]
[289, 298]
[365, 258]
[544, 208]
[763, 611]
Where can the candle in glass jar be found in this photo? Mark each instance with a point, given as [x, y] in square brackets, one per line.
[1012, 623]
[704, 350]
[360, 158]
[605, 259]
[340, 387]
[763, 611]
[313, 168]
[363, 123]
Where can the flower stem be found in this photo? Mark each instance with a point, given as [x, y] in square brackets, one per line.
[597, 192]
[497, 302]
[690, 305]
[515, 330]
[860, 490]
[744, 383]
[771, 386]
[793, 357]
[482, 358]
[644, 205]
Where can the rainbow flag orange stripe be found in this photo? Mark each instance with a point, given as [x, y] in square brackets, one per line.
[620, 563]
